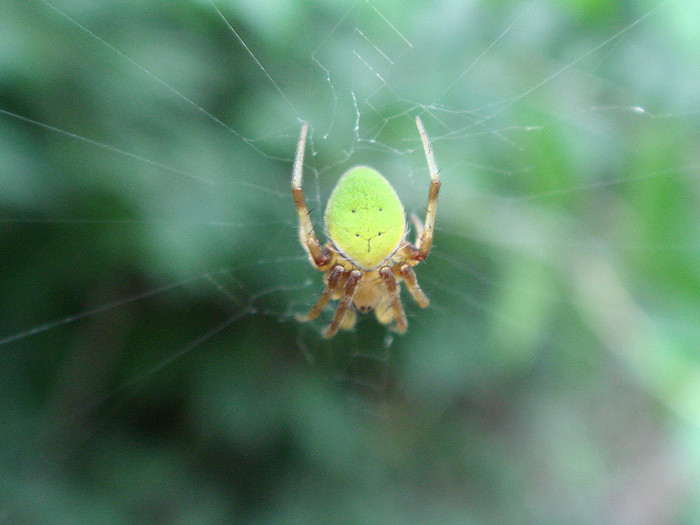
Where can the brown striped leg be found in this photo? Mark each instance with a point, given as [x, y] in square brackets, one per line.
[345, 303]
[409, 277]
[392, 288]
[335, 280]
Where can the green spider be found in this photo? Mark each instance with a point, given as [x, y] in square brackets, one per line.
[367, 254]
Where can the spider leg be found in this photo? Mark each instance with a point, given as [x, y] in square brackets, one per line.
[351, 283]
[383, 310]
[425, 239]
[349, 319]
[335, 282]
[392, 287]
[409, 277]
[320, 256]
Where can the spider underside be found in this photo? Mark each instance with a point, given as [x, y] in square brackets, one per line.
[361, 288]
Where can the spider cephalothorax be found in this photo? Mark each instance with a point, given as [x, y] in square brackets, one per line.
[367, 255]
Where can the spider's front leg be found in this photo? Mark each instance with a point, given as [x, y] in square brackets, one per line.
[319, 255]
[425, 237]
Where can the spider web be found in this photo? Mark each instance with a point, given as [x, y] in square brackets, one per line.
[160, 138]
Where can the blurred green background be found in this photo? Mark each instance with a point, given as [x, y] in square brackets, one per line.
[152, 369]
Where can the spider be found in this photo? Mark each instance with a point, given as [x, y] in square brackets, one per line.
[367, 254]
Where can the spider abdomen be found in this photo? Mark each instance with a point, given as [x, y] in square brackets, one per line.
[365, 218]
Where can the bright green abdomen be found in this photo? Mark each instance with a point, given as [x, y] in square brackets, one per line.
[365, 218]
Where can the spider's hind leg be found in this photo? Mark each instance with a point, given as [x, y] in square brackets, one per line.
[345, 304]
[334, 285]
[349, 319]
[409, 277]
[383, 311]
[393, 290]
